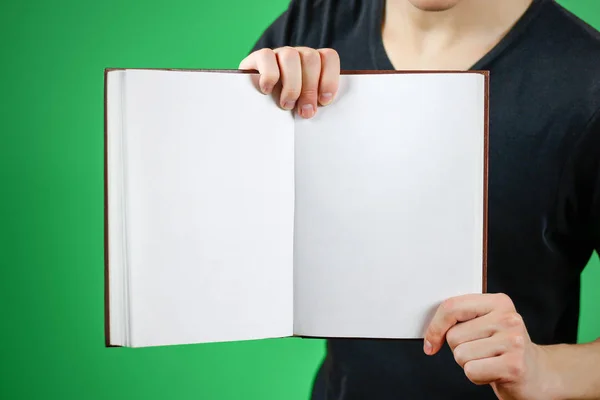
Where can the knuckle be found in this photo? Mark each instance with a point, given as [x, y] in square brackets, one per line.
[271, 77]
[264, 52]
[517, 341]
[447, 306]
[434, 336]
[329, 84]
[288, 53]
[469, 370]
[471, 373]
[516, 369]
[459, 355]
[249, 61]
[513, 320]
[434, 332]
[310, 57]
[453, 337]
[328, 52]
[504, 300]
[309, 92]
[290, 93]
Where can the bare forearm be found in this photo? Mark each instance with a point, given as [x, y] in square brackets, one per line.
[577, 370]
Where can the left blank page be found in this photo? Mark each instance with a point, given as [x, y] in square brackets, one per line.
[209, 204]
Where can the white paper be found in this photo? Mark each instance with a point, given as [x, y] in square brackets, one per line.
[209, 180]
[389, 204]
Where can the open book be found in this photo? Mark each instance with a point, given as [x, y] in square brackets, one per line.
[230, 219]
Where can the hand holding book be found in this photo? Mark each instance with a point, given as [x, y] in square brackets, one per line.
[302, 77]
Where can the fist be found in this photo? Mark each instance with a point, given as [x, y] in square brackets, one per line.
[305, 77]
[490, 342]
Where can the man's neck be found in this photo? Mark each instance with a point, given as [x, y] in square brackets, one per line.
[470, 25]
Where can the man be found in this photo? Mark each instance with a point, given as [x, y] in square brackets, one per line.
[544, 194]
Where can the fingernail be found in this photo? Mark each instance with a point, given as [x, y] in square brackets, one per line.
[288, 105]
[427, 347]
[326, 98]
[307, 110]
[266, 89]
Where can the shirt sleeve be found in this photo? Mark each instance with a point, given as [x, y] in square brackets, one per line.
[586, 178]
[576, 218]
[595, 219]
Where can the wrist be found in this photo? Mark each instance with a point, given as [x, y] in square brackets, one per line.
[550, 374]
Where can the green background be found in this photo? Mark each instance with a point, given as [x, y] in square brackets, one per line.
[53, 54]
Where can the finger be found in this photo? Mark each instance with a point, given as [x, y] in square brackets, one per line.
[485, 348]
[486, 326]
[502, 369]
[311, 73]
[460, 309]
[290, 70]
[330, 75]
[265, 62]
[478, 328]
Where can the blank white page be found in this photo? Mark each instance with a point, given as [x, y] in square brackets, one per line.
[389, 204]
[209, 188]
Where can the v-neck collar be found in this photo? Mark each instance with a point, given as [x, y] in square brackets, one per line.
[380, 58]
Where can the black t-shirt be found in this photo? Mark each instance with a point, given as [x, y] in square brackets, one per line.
[544, 184]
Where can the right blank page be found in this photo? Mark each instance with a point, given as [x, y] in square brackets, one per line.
[390, 192]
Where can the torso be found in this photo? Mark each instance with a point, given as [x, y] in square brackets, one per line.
[544, 184]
